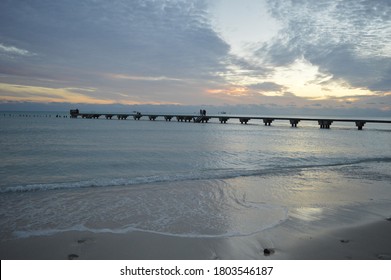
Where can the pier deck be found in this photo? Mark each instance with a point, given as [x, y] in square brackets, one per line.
[323, 123]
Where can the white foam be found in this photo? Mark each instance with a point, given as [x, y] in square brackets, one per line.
[49, 232]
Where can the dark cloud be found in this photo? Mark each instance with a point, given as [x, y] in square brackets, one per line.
[267, 86]
[144, 37]
[358, 71]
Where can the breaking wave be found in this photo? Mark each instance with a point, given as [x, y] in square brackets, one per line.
[211, 174]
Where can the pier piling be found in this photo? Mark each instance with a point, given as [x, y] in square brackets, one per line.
[122, 116]
[244, 120]
[325, 123]
[360, 124]
[223, 119]
[294, 122]
[268, 122]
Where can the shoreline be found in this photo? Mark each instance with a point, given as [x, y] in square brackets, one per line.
[365, 242]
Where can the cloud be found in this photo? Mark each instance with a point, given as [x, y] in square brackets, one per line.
[160, 51]
[267, 86]
[11, 50]
[141, 37]
[141, 78]
[347, 39]
[16, 92]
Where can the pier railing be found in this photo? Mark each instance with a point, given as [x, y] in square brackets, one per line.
[323, 123]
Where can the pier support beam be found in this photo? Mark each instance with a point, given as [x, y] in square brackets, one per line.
[244, 120]
[360, 124]
[325, 123]
[122, 117]
[268, 121]
[201, 119]
[223, 119]
[184, 118]
[152, 118]
[168, 118]
[108, 117]
[294, 122]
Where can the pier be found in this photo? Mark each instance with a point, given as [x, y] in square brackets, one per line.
[223, 118]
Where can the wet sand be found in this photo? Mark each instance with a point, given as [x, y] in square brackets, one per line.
[365, 242]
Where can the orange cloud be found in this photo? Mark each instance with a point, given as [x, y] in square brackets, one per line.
[23, 93]
[13, 92]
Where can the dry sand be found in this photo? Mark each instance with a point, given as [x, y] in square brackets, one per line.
[368, 242]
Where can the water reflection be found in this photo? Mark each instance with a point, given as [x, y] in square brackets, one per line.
[308, 214]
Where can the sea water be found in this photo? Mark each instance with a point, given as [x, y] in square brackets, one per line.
[191, 180]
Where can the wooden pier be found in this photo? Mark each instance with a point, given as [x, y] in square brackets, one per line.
[223, 118]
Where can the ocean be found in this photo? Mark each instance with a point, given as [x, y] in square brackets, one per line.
[191, 180]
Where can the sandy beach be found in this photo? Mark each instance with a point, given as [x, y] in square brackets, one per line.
[365, 242]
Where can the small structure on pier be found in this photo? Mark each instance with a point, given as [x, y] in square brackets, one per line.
[74, 113]
[137, 116]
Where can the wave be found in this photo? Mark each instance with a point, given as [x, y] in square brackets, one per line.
[82, 228]
[210, 174]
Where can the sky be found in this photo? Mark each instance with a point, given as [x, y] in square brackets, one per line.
[275, 54]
